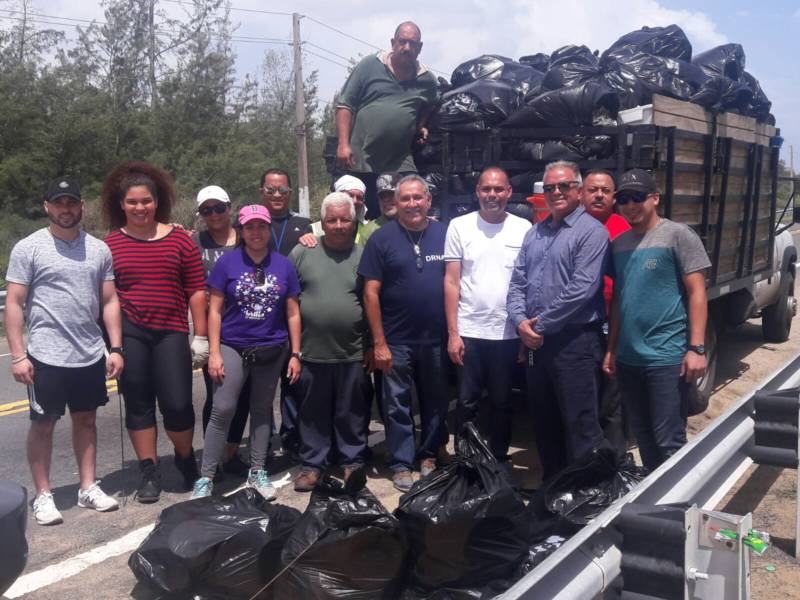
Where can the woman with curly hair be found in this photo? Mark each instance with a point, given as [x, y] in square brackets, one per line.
[159, 275]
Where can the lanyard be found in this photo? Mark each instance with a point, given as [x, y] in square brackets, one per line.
[279, 241]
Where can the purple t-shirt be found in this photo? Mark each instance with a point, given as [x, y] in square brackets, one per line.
[254, 315]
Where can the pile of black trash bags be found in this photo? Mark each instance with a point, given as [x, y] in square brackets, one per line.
[574, 86]
[462, 532]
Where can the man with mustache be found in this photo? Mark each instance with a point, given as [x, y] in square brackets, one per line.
[479, 253]
[383, 107]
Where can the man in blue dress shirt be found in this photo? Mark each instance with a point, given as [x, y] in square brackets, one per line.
[555, 300]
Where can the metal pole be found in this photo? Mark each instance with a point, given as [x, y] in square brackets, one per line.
[300, 119]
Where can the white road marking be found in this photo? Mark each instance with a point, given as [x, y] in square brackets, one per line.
[31, 582]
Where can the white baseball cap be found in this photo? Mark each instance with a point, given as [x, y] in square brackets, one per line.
[212, 192]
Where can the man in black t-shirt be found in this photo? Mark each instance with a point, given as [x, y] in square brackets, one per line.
[403, 270]
[287, 228]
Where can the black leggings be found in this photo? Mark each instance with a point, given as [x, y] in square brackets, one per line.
[236, 430]
[158, 365]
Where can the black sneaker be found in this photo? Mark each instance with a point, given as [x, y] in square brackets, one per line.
[188, 468]
[150, 488]
[236, 466]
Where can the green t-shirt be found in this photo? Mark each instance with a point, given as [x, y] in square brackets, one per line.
[649, 271]
[330, 304]
[386, 112]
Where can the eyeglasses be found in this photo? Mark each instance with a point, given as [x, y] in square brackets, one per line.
[260, 275]
[623, 198]
[563, 186]
[207, 211]
[282, 190]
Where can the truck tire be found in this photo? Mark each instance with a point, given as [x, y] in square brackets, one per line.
[700, 391]
[776, 320]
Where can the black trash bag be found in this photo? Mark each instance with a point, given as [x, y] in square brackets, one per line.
[720, 93]
[760, 105]
[435, 182]
[478, 68]
[442, 86]
[215, 547]
[466, 525]
[547, 151]
[636, 77]
[538, 552]
[570, 66]
[524, 78]
[585, 489]
[566, 107]
[346, 545]
[727, 60]
[538, 61]
[478, 105]
[666, 42]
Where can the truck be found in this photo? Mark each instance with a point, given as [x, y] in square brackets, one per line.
[717, 172]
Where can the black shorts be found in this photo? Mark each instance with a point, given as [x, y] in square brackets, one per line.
[83, 389]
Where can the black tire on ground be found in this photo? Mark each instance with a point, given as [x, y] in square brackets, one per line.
[700, 392]
[776, 320]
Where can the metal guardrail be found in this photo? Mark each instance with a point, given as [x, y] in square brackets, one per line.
[2, 302]
[701, 473]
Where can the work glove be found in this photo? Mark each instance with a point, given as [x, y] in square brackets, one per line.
[199, 351]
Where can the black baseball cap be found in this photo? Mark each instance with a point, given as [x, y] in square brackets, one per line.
[636, 180]
[387, 182]
[63, 186]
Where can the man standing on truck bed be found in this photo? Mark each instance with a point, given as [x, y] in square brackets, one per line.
[555, 301]
[384, 105]
[658, 318]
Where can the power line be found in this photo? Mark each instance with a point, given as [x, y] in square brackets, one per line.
[247, 10]
[347, 58]
[326, 58]
[339, 31]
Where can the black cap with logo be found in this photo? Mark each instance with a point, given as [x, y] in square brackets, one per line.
[63, 186]
[636, 180]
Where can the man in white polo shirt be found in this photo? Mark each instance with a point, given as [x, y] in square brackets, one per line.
[480, 250]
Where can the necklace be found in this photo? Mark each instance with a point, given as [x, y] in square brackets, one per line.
[416, 247]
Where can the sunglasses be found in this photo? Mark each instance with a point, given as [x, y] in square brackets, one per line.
[418, 256]
[207, 211]
[282, 190]
[563, 186]
[623, 198]
[260, 275]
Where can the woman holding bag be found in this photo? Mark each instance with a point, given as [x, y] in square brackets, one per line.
[253, 322]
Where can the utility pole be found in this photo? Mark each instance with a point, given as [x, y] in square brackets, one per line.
[300, 119]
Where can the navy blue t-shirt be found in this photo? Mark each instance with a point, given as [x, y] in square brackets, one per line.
[412, 300]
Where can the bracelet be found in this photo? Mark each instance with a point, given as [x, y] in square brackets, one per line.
[19, 359]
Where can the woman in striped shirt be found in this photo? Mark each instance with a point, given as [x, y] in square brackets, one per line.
[159, 274]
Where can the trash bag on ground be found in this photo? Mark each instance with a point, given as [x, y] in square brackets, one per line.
[215, 547]
[570, 66]
[566, 107]
[346, 545]
[465, 524]
[667, 42]
[478, 105]
[538, 61]
[586, 488]
[727, 60]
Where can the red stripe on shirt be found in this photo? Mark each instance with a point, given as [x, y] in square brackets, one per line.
[155, 278]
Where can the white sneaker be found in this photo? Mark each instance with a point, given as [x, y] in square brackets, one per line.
[259, 481]
[96, 498]
[45, 511]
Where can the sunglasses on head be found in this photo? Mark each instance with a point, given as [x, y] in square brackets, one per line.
[563, 186]
[623, 198]
[282, 190]
[206, 211]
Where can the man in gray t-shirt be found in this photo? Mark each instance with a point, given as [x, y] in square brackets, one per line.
[61, 281]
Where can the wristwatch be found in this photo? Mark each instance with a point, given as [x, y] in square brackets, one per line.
[297, 355]
[118, 350]
[698, 349]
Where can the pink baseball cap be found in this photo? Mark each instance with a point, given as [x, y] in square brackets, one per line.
[253, 211]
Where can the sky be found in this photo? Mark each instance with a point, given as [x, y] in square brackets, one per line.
[453, 32]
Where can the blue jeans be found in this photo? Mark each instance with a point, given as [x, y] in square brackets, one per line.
[656, 399]
[420, 366]
[488, 365]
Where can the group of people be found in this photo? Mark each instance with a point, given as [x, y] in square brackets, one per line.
[350, 309]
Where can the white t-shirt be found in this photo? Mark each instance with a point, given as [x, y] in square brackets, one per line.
[487, 252]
